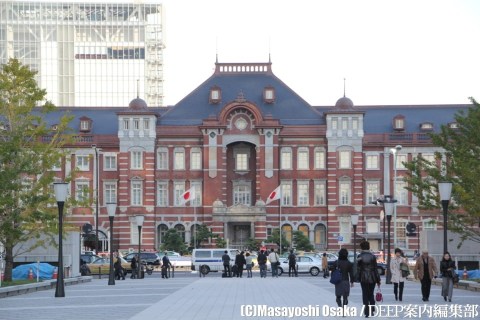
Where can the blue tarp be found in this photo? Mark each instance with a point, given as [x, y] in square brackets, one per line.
[21, 272]
[472, 274]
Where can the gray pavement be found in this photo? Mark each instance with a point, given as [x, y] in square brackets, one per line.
[188, 296]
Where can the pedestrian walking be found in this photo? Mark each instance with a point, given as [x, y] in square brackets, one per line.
[134, 266]
[262, 264]
[369, 277]
[425, 270]
[342, 289]
[117, 266]
[325, 265]
[397, 279]
[447, 268]
[274, 262]
[240, 262]
[166, 265]
[292, 264]
[226, 264]
[249, 264]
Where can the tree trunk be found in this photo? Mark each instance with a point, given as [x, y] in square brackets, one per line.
[8, 262]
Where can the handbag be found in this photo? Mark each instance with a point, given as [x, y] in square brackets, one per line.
[404, 270]
[455, 277]
[336, 276]
[379, 295]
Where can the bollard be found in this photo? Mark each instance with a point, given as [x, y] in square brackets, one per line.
[173, 271]
[99, 272]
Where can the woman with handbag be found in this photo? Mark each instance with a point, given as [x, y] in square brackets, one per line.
[398, 275]
[447, 268]
[342, 289]
[369, 277]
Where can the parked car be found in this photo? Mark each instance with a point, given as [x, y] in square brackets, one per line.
[305, 264]
[88, 258]
[102, 266]
[151, 258]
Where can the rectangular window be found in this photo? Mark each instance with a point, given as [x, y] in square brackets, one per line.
[162, 195]
[134, 233]
[136, 124]
[334, 124]
[286, 159]
[345, 230]
[195, 160]
[401, 158]
[345, 192]
[319, 159]
[241, 162]
[302, 159]
[344, 123]
[372, 190]
[373, 227]
[137, 159]
[372, 162]
[110, 162]
[82, 191]
[401, 194]
[354, 124]
[345, 162]
[197, 186]
[162, 159]
[242, 195]
[429, 225]
[57, 166]
[319, 193]
[286, 194]
[110, 192]
[401, 234]
[84, 125]
[136, 196]
[126, 124]
[146, 124]
[302, 193]
[82, 162]
[178, 190]
[179, 160]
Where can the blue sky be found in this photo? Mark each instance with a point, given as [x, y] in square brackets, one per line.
[390, 52]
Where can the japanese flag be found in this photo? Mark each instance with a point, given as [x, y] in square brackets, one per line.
[275, 194]
[188, 195]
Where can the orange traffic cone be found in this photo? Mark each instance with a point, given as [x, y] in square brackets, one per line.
[30, 274]
[55, 273]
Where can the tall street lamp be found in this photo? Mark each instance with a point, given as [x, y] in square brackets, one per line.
[354, 218]
[61, 191]
[111, 208]
[445, 190]
[97, 179]
[395, 152]
[139, 219]
[388, 207]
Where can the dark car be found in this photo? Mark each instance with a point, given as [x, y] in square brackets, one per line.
[150, 258]
[88, 258]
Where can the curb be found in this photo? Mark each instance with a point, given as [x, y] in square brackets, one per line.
[39, 286]
[463, 284]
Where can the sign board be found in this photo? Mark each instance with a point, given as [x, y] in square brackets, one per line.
[340, 238]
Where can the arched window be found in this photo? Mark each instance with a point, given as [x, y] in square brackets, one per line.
[320, 236]
[304, 229]
[161, 230]
[287, 232]
[181, 231]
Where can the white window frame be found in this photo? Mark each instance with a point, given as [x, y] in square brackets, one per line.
[109, 159]
[399, 162]
[82, 190]
[162, 158]
[319, 158]
[286, 192]
[344, 159]
[134, 232]
[344, 192]
[136, 160]
[303, 193]
[372, 191]
[401, 194]
[126, 124]
[146, 124]
[109, 192]
[320, 193]
[195, 159]
[241, 161]
[197, 186]
[345, 228]
[303, 159]
[372, 226]
[242, 194]
[179, 159]
[136, 193]
[82, 162]
[286, 159]
[162, 194]
[178, 190]
[372, 162]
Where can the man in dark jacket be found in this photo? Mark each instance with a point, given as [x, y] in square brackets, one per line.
[292, 264]
[262, 264]
[226, 264]
[369, 277]
[240, 262]
[134, 266]
[166, 264]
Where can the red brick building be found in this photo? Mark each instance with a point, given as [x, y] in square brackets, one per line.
[233, 140]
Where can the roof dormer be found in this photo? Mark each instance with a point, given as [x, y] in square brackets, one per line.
[215, 95]
[399, 123]
[85, 124]
[269, 94]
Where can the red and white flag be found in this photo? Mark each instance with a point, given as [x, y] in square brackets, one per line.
[188, 196]
[275, 194]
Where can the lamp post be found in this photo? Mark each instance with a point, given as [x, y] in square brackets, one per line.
[395, 151]
[354, 218]
[388, 207]
[111, 208]
[139, 219]
[445, 190]
[97, 178]
[61, 190]
[382, 217]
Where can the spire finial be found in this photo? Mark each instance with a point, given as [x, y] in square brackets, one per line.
[344, 85]
[138, 88]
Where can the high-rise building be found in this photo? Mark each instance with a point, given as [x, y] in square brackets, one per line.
[88, 53]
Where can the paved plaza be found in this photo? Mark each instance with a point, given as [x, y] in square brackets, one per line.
[187, 296]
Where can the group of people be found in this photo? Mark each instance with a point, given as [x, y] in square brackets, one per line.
[135, 264]
[369, 278]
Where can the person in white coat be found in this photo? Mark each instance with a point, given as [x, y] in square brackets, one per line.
[397, 279]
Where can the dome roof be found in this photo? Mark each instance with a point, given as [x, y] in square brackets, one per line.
[344, 103]
[138, 104]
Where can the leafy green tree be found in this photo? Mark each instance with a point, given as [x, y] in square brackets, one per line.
[221, 242]
[29, 149]
[202, 234]
[460, 165]
[173, 241]
[301, 241]
[275, 238]
[253, 244]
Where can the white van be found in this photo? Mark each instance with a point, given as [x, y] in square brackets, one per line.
[206, 260]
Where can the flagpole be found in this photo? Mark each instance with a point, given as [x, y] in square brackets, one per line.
[194, 225]
[280, 225]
